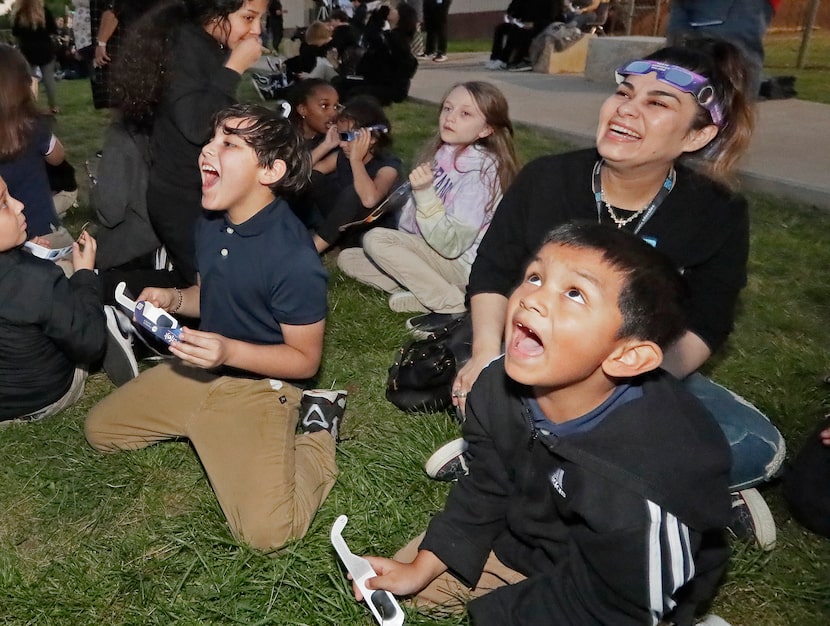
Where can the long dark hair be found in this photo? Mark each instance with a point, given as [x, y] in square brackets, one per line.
[140, 73]
[18, 112]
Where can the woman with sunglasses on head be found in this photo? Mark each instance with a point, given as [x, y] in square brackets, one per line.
[674, 104]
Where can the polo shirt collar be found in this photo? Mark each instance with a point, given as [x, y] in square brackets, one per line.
[255, 225]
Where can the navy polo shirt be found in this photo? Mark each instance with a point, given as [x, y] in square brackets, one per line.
[258, 275]
[28, 182]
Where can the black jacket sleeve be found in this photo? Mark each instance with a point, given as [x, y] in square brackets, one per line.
[462, 535]
[198, 90]
[716, 283]
[75, 320]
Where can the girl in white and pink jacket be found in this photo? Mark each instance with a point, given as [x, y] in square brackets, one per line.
[424, 264]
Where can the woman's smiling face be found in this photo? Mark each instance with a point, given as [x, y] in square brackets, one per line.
[246, 20]
[648, 121]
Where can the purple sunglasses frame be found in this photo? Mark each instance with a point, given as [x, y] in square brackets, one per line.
[679, 77]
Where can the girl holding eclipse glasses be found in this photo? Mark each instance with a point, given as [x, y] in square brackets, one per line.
[678, 102]
[360, 172]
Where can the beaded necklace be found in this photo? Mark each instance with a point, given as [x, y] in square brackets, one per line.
[644, 214]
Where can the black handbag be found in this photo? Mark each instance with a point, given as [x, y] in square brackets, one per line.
[421, 377]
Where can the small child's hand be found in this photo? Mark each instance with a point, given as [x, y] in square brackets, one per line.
[83, 252]
[421, 177]
[161, 297]
[824, 435]
[205, 350]
[245, 53]
[41, 241]
[360, 146]
[332, 138]
[393, 576]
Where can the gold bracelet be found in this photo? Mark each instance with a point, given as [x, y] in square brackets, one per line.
[179, 303]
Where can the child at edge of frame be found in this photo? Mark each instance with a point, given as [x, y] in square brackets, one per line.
[52, 327]
[235, 389]
[597, 490]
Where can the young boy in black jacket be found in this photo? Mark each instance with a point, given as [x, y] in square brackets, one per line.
[597, 490]
[51, 327]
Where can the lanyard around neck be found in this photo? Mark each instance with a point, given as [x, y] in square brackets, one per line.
[648, 211]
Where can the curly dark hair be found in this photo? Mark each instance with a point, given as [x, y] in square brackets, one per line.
[140, 73]
[273, 138]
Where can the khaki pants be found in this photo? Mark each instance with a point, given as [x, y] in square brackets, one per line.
[268, 480]
[448, 594]
[392, 259]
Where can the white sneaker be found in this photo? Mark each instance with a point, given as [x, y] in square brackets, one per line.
[495, 64]
[119, 361]
[448, 463]
[404, 302]
[752, 519]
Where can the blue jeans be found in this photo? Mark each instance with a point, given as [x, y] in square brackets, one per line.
[743, 22]
[758, 448]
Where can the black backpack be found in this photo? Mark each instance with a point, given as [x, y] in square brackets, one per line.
[421, 377]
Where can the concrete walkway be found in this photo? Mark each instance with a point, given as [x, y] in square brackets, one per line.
[789, 155]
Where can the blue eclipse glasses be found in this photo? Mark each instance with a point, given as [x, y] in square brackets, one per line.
[351, 135]
[681, 78]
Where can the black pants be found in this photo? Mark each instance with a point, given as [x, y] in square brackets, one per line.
[173, 214]
[338, 207]
[511, 44]
[435, 24]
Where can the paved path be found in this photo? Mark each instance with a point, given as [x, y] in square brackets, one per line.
[789, 155]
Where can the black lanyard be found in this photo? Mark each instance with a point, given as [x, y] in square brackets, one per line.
[665, 190]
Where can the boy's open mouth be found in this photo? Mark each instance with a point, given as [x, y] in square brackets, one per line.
[209, 176]
[525, 340]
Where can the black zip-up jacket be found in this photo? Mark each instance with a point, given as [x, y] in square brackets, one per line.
[612, 526]
[48, 325]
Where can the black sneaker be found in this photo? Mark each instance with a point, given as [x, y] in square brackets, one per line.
[323, 409]
[119, 361]
[520, 67]
[448, 462]
[752, 519]
[428, 323]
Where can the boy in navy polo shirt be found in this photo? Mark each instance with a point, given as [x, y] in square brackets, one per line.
[261, 297]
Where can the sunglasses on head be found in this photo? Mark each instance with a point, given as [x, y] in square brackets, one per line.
[351, 135]
[681, 78]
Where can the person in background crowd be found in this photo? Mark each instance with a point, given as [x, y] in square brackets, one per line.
[34, 27]
[436, 13]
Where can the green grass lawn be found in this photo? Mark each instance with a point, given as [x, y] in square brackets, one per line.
[137, 538]
[813, 80]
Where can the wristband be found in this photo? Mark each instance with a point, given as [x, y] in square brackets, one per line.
[179, 303]
[102, 44]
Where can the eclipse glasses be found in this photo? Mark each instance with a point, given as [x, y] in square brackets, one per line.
[681, 78]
